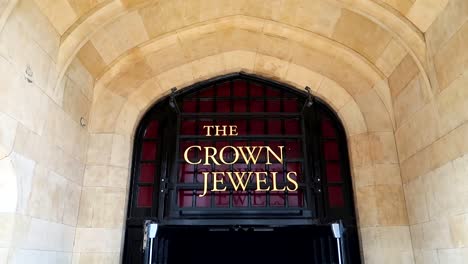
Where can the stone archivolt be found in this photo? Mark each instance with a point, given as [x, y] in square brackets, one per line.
[403, 106]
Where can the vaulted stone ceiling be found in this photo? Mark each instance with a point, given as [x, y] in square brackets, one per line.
[66, 14]
[106, 29]
[356, 43]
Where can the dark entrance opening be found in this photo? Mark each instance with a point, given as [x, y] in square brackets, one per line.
[301, 244]
[265, 193]
[248, 245]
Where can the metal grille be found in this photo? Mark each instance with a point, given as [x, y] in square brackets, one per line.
[264, 116]
[167, 188]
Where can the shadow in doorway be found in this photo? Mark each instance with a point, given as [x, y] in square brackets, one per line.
[197, 245]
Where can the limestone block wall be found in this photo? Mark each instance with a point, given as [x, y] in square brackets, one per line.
[394, 70]
[42, 145]
[431, 135]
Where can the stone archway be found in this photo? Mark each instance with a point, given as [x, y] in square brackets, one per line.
[420, 47]
[380, 217]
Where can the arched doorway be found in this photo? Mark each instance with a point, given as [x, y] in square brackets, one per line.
[243, 165]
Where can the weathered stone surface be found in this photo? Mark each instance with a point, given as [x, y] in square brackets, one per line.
[129, 54]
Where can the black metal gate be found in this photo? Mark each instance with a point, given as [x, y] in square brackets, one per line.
[166, 189]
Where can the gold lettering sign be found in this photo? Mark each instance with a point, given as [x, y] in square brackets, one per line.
[250, 155]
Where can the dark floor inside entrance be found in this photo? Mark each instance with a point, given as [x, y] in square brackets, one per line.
[248, 246]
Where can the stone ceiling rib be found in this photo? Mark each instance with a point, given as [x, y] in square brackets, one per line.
[274, 32]
[260, 27]
[346, 67]
[145, 93]
[134, 66]
[381, 14]
[6, 11]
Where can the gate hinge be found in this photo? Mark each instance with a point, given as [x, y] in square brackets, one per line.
[164, 185]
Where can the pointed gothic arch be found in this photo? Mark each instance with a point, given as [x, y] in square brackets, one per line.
[183, 175]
